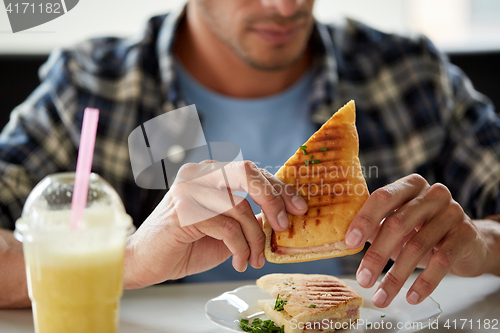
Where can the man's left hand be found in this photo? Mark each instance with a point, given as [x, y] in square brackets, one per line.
[417, 225]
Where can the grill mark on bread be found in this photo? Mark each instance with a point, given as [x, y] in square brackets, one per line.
[319, 293]
[326, 294]
[330, 195]
[299, 173]
[320, 137]
[337, 202]
[322, 181]
[321, 289]
[301, 163]
[274, 244]
[322, 172]
[330, 149]
[324, 284]
[318, 296]
[291, 232]
[327, 145]
[330, 202]
[324, 289]
[328, 302]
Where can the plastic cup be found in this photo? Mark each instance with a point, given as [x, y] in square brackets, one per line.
[75, 277]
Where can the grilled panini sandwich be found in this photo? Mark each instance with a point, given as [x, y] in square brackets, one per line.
[312, 303]
[327, 173]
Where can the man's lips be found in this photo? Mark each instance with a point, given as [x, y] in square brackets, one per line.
[277, 35]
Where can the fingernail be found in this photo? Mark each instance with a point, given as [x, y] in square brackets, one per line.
[413, 298]
[261, 259]
[283, 219]
[299, 202]
[379, 297]
[364, 277]
[244, 267]
[353, 238]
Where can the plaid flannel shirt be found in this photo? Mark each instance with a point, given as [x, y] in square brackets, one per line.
[415, 113]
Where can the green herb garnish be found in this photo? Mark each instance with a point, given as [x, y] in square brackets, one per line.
[278, 306]
[307, 163]
[285, 283]
[311, 157]
[303, 147]
[315, 161]
[368, 325]
[293, 287]
[382, 316]
[324, 149]
[304, 151]
[311, 306]
[260, 326]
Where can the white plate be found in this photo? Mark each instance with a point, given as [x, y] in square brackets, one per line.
[227, 309]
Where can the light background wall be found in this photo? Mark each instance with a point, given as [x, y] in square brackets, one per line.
[454, 25]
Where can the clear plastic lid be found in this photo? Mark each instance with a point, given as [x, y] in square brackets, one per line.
[48, 207]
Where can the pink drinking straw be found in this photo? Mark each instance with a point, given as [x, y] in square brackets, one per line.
[84, 166]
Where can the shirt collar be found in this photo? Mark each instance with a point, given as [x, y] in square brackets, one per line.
[324, 92]
[324, 98]
[165, 53]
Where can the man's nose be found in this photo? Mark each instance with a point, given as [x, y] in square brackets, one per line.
[284, 7]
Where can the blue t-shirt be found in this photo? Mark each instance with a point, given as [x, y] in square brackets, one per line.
[268, 130]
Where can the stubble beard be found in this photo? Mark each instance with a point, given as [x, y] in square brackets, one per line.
[239, 50]
[261, 66]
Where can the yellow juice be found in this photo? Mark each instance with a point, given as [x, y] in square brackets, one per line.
[74, 274]
[76, 291]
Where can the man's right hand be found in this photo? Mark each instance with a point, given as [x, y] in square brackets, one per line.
[165, 248]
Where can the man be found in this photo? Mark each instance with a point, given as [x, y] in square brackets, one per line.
[416, 113]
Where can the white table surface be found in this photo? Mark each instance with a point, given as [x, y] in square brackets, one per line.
[181, 308]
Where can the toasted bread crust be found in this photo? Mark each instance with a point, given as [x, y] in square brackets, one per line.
[334, 189]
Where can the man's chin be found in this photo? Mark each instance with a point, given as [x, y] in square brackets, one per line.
[270, 66]
[277, 63]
